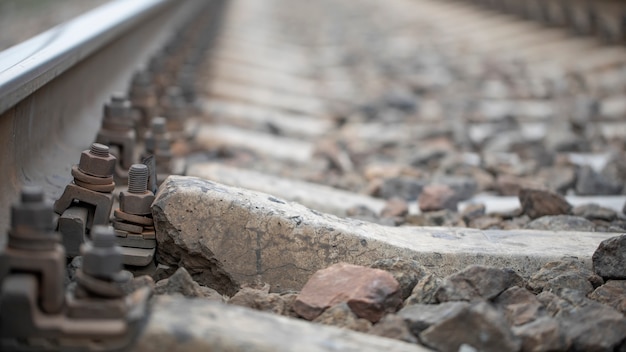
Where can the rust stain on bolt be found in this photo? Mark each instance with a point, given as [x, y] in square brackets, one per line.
[97, 161]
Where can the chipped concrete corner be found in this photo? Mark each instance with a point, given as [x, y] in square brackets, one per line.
[227, 236]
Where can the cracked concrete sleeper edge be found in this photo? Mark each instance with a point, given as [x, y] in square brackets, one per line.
[246, 236]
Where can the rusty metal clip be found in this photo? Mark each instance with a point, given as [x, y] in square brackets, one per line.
[38, 313]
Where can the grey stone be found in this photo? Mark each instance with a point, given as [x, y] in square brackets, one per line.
[401, 99]
[163, 271]
[480, 326]
[609, 259]
[363, 213]
[553, 303]
[519, 305]
[407, 272]
[531, 150]
[591, 326]
[342, 316]
[558, 179]
[510, 185]
[515, 223]
[503, 163]
[561, 223]
[425, 291]
[428, 157]
[260, 299]
[393, 327]
[571, 281]
[404, 187]
[538, 203]
[503, 141]
[138, 282]
[612, 293]
[594, 212]
[70, 274]
[182, 283]
[484, 180]
[590, 182]
[420, 317]
[615, 169]
[562, 139]
[476, 283]
[289, 298]
[463, 187]
[572, 270]
[360, 211]
[473, 211]
[542, 335]
[444, 217]
[183, 324]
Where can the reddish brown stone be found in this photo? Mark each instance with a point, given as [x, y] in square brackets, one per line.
[537, 203]
[370, 293]
[437, 197]
[395, 207]
[519, 305]
[612, 293]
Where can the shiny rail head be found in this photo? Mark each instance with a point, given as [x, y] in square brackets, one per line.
[26, 67]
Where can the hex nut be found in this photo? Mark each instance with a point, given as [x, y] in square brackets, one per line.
[96, 165]
[102, 257]
[119, 107]
[136, 203]
[33, 211]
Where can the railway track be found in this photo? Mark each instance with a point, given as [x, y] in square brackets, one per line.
[495, 124]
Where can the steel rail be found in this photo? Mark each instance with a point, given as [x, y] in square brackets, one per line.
[26, 67]
[52, 87]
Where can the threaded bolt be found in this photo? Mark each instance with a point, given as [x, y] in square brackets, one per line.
[174, 92]
[99, 150]
[102, 236]
[32, 194]
[142, 78]
[118, 97]
[102, 257]
[32, 212]
[158, 125]
[138, 178]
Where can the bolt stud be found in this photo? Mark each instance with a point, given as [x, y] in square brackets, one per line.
[138, 178]
[99, 150]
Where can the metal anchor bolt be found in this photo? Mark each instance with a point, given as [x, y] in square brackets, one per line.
[33, 212]
[118, 107]
[137, 200]
[138, 178]
[102, 258]
[97, 161]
